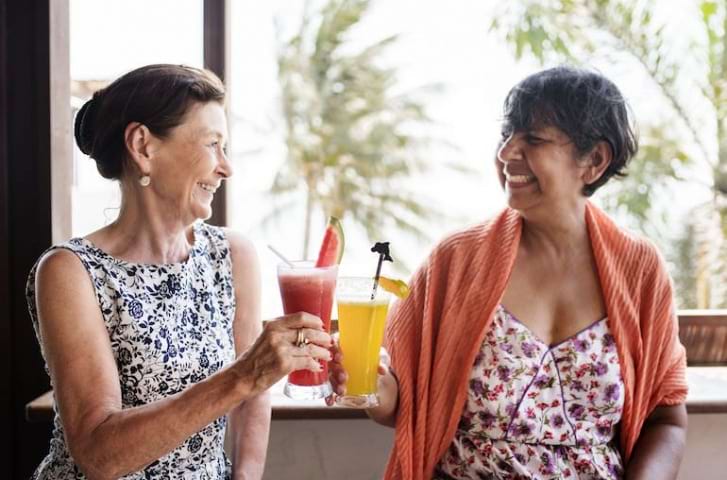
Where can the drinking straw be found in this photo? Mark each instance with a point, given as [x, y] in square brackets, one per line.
[382, 248]
[281, 256]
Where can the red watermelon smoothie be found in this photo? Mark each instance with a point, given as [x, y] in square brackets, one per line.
[307, 288]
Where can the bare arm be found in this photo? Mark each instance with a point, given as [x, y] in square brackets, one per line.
[250, 420]
[106, 441]
[660, 448]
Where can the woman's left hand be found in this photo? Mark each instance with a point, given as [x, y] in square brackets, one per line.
[336, 373]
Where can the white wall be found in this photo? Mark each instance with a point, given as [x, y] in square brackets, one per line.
[358, 449]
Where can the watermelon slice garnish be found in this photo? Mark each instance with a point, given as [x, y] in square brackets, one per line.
[332, 246]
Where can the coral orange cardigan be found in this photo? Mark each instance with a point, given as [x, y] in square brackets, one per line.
[434, 335]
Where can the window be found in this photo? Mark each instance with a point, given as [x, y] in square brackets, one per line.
[108, 39]
[474, 74]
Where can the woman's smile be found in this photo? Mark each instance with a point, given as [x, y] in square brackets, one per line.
[208, 187]
[519, 181]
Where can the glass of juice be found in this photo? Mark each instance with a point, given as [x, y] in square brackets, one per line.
[307, 288]
[361, 321]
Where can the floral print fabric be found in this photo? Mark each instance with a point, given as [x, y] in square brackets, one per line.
[170, 326]
[536, 411]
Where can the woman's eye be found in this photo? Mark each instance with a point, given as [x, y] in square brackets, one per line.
[217, 145]
[533, 140]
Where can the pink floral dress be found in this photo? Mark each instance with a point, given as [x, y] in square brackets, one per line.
[536, 411]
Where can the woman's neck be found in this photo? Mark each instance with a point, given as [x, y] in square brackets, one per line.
[560, 232]
[144, 233]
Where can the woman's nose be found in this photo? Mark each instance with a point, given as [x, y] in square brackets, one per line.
[507, 147]
[225, 167]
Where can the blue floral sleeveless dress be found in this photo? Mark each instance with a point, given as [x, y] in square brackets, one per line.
[170, 326]
[538, 411]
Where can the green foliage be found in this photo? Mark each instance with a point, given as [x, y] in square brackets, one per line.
[684, 271]
[349, 134]
[660, 157]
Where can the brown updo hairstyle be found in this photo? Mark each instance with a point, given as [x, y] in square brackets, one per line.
[157, 96]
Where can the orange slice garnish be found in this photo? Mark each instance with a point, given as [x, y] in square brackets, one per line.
[395, 287]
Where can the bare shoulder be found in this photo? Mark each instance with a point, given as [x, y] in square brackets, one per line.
[241, 248]
[239, 243]
[245, 264]
[61, 268]
[65, 297]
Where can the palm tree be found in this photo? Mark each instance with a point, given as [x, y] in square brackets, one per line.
[350, 137]
[627, 31]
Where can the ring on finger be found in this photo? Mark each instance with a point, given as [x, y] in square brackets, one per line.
[301, 340]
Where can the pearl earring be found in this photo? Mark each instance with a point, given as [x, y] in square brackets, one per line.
[144, 180]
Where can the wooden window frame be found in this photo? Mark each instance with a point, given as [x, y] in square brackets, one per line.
[36, 161]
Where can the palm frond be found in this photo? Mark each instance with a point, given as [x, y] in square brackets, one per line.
[348, 131]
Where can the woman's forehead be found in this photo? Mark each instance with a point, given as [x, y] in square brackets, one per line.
[205, 120]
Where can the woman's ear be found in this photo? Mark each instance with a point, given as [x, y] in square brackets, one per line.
[597, 162]
[138, 140]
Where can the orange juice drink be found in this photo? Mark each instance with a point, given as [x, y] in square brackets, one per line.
[361, 323]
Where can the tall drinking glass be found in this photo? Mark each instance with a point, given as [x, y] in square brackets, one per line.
[361, 323]
[305, 288]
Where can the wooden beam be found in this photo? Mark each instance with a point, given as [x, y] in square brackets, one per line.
[704, 334]
[714, 318]
[25, 190]
[214, 60]
[61, 128]
[7, 444]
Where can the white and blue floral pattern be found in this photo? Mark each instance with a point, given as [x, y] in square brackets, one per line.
[170, 326]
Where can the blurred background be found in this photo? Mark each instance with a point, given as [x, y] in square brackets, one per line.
[383, 113]
[386, 114]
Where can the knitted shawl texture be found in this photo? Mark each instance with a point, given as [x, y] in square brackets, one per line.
[434, 335]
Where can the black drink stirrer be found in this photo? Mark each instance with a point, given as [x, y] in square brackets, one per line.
[382, 248]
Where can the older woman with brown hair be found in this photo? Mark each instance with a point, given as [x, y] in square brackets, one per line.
[150, 326]
[541, 344]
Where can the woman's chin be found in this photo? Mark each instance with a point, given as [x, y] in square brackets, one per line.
[206, 215]
[202, 212]
[518, 202]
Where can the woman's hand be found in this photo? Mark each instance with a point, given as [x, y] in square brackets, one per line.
[336, 374]
[275, 354]
[387, 387]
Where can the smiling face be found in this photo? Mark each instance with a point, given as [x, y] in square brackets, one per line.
[189, 164]
[540, 168]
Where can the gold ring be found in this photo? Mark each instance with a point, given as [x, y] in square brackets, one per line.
[300, 340]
